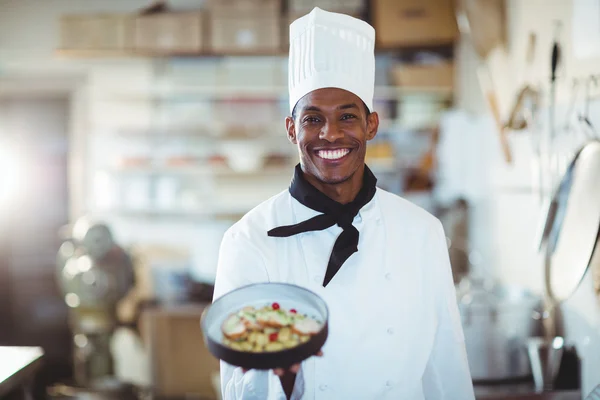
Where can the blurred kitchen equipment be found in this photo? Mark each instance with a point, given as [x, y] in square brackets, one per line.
[497, 321]
[487, 85]
[594, 394]
[545, 356]
[523, 110]
[94, 274]
[244, 155]
[455, 219]
[485, 22]
[108, 389]
[569, 373]
[570, 230]
[554, 61]
[528, 98]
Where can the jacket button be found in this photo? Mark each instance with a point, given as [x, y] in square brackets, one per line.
[390, 331]
[323, 387]
[388, 383]
[388, 276]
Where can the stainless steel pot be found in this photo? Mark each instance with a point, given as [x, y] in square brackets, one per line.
[497, 320]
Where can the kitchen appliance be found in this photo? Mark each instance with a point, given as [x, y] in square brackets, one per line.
[93, 274]
[594, 394]
[571, 228]
[497, 321]
[569, 234]
[545, 356]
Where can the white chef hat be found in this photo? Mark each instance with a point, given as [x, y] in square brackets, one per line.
[331, 50]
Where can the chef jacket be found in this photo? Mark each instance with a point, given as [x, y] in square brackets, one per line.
[394, 326]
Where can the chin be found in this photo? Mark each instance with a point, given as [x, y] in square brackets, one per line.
[333, 179]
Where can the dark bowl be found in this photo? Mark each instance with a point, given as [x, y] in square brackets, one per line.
[288, 296]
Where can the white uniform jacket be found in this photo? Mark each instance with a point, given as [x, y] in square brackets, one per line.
[394, 328]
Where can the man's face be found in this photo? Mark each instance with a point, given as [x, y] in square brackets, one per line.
[331, 128]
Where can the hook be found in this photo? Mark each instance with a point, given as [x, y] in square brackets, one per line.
[591, 79]
[585, 117]
[571, 109]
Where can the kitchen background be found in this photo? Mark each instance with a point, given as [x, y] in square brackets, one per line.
[164, 122]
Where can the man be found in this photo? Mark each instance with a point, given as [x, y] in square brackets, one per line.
[379, 262]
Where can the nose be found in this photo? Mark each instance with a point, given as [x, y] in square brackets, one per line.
[331, 132]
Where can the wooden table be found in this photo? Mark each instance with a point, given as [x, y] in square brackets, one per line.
[18, 366]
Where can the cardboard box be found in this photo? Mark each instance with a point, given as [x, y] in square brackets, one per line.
[245, 26]
[424, 76]
[253, 33]
[169, 33]
[240, 7]
[181, 365]
[407, 23]
[352, 7]
[96, 32]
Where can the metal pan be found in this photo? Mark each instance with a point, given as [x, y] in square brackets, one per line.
[288, 296]
[570, 233]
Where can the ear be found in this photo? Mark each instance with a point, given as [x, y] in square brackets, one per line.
[291, 130]
[372, 125]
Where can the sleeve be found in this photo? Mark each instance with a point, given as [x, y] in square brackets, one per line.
[447, 374]
[241, 263]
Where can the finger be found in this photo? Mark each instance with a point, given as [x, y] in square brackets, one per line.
[295, 368]
[278, 371]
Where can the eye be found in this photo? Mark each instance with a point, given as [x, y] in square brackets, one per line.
[346, 117]
[311, 119]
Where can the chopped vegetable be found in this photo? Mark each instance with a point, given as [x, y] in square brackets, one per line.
[269, 328]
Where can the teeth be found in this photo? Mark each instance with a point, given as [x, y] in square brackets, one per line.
[333, 154]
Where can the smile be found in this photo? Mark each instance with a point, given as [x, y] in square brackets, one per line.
[335, 154]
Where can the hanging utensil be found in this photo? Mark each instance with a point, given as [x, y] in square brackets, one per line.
[487, 86]
[554, 62]
[572, 225]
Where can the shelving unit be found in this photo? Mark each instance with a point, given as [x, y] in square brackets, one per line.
[190, 121]
[196, 93]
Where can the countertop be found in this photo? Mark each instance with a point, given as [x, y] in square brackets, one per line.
[17, 366]
[522, 391]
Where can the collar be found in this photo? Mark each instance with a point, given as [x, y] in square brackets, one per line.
[370, 211]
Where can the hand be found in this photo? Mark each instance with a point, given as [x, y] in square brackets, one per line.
[293, 369]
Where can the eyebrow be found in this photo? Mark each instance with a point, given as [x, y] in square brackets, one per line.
[347, 106]
[342, 107]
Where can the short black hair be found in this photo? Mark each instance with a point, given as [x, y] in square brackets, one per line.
[363, 103]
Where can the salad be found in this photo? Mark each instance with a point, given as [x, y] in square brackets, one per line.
[270, 328]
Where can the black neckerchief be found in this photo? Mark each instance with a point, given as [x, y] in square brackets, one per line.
[332, 213]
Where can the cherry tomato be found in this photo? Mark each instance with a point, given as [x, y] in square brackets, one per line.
[275, 306]
[293, 311]
[273, 337]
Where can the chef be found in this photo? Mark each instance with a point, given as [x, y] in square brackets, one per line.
[380, 262]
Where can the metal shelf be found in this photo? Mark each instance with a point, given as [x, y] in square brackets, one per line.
[232, 213]
[198, 170]
[276, 93]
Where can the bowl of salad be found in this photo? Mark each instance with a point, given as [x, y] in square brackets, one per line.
[266, 325]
